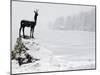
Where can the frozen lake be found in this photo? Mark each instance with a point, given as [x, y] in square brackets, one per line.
[81, 43]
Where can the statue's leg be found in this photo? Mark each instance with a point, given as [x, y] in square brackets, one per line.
[32, 33]
[20, 31]
[23, 32]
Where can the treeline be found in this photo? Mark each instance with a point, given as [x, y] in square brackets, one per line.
[83, 21]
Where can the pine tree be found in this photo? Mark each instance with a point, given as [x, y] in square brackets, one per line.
[18, 49]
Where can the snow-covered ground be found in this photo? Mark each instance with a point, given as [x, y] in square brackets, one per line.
[59, 50]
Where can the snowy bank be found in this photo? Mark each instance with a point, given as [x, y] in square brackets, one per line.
[48, 61]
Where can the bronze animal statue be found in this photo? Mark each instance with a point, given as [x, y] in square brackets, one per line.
[31, 24]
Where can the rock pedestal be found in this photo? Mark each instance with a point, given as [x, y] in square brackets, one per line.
[33, 57]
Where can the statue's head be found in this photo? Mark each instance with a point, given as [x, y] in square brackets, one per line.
[36, 12]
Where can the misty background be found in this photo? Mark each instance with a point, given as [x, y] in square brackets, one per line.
[83, 21]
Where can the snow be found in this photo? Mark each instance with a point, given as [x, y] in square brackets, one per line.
[78, 52]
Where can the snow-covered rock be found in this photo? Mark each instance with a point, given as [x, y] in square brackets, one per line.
[38, 52]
